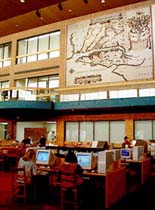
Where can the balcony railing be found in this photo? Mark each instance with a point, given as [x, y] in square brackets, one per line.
[119, 90]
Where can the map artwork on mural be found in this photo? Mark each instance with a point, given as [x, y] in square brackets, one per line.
[116, 47]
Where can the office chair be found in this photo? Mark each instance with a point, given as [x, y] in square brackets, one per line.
[68, 187]
[19, 184]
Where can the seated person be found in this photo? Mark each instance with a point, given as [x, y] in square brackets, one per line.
[26, 141]
[71, 166]
[42, 141]
[27, 161]
[126, 143]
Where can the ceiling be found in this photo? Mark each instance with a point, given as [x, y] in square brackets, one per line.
[16, 16]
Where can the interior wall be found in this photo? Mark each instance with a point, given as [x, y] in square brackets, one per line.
[22, 125]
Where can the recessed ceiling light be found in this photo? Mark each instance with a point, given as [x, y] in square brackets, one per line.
[70, 10]
[22, 1]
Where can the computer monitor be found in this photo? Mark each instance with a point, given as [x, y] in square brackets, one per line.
[85, 160]
[45, 157]
[126, 153]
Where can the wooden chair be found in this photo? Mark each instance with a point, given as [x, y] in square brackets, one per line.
[55, 185]
[2, 161]
[68, 187]
[19, 184]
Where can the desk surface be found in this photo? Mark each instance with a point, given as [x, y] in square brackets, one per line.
[89, 173]
[137, 161]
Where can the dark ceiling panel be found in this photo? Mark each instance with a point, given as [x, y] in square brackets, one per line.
[16, 16]
[14, 8]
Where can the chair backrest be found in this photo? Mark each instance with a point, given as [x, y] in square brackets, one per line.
[20, 175]
[68, 175]
[19, 183]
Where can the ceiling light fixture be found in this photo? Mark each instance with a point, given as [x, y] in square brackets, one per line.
[85, 1]
[60, 6]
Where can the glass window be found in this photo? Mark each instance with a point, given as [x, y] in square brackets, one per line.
[5, 55]
[55, 44]
[86, 131]
[54, 81]
[7, 51]
[143, 129]
[69, 97]
[117, 131]
[147, 92]
[21, 83]
[101, 131]
[1, 55]
[39, 47]
[153, 130]
[1, 52]
[43, 47]
[93, 96]
[22, 51]
[32, 49]
[43, 83]
[123, 93]
[5, 84]
[32, 82]
[71, 131]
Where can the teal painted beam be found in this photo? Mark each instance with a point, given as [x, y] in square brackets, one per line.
[106, 103]
[45, 105]
[89, 104]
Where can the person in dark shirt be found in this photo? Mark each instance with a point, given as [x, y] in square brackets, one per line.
[42, 141]
[26, 141]
[71, 171]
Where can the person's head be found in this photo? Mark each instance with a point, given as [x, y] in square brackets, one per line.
[30, 154]
[126, 138]
[71, 157]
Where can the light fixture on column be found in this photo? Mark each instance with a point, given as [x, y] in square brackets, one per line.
[85, 1]
[38, 14]
[60, 5]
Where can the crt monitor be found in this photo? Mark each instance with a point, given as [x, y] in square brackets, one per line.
[85, 160]
[44, 157]
[126, 153]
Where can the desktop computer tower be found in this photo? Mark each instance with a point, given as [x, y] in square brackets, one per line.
[117, 154]
[138, 153]
[105, 161]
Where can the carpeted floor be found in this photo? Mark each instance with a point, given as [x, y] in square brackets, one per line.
[143, 197]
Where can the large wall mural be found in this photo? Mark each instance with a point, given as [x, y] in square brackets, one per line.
[116, 47]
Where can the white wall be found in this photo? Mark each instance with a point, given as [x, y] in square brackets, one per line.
[22, 125]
